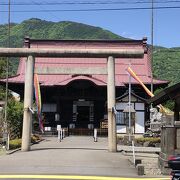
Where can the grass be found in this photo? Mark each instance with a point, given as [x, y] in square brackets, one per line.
[2, 151]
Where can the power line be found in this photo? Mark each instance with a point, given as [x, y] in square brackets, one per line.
[45, 9]
[97, 9]
[90, 3]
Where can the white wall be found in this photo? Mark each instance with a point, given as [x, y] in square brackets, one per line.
[139, 125]
[121, 129]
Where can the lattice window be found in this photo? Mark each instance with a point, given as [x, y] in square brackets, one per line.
[120, 118]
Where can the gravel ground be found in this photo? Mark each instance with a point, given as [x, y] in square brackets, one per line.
[150, 162]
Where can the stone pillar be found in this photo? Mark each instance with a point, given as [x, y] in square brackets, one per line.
[168, 139]
[112, 144]
[28, 99]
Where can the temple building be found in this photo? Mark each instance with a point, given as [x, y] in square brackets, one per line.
[79, 100]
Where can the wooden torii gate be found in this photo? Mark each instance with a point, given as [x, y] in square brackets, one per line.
[31, 53]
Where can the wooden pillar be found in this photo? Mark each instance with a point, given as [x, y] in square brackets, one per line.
[112, 145]
[177, 109]
[28, 99]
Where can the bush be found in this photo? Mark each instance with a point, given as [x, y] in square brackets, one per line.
[151, 139]
[15, 118]
[120, 137]
[15, 143]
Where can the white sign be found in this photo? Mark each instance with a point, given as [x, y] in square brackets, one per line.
[58, 127]
[49, 128]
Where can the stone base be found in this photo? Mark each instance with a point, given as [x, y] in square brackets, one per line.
[163, 164]
[128, 139]
[140, 169]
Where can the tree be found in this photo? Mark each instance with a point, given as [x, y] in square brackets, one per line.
[14, 109]
[2, 75]
[15, 118]
[168, 104]
[2, 67]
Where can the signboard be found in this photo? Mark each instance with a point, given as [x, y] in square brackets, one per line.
[155, 126]
[58, 127]
[104, 124]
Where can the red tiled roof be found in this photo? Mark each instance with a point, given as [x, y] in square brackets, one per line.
[140, 66]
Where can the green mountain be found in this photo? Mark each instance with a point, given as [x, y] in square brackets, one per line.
[166, 64]
[40, 29]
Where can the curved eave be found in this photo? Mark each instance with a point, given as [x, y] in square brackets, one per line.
[171, 92]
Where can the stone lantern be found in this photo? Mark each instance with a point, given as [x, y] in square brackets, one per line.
[129, 116]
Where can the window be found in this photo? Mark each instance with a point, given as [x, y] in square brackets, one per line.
[120, 118]
[49, 108]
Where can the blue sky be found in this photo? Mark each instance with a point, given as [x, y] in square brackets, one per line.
[128, 23]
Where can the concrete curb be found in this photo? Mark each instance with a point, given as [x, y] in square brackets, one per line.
[139, 149]
[18, 149]
[13, 151]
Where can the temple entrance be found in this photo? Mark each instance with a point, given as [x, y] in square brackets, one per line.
[82, 116]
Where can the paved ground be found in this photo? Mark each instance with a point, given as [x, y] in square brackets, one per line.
[2, 151]
[70, 177]
[74, 155]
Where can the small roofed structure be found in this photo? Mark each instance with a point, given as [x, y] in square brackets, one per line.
[139, 106]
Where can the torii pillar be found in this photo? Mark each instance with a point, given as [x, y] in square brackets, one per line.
[28, 101]
[112, 139]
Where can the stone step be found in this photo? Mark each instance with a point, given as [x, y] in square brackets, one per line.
[151, 166]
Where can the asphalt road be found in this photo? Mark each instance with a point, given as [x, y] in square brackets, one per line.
[74, 157]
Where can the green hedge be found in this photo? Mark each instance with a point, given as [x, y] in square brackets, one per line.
[140, 141]
[151, 139]
[16, 143]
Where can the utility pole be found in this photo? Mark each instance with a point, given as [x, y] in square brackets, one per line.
[152, 42]
[7, 76]
[130, 129]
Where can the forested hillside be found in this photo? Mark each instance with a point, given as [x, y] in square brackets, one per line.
[40, 29]
[166, 63]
